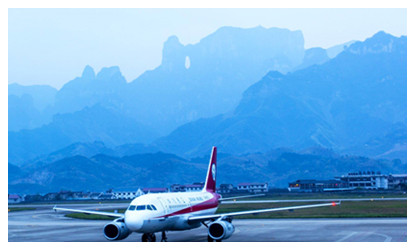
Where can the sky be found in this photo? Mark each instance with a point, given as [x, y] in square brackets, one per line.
[52, 46]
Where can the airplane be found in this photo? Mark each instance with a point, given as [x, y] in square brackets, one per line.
[177, 211]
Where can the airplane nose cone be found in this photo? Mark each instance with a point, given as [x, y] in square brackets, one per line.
[133, 222]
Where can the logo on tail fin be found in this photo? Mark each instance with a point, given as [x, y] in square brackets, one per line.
[214, 171]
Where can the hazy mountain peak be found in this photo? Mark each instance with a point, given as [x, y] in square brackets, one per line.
[380, 34]
[172, 40]
[315, 50]
[88, 72]
[172, 52]
[43, 95]
[381, 42]
[313, 56]
[108, 73]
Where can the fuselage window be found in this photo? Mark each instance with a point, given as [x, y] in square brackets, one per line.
[131, 208]
[141, 207]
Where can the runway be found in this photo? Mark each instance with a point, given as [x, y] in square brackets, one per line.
[44, 225]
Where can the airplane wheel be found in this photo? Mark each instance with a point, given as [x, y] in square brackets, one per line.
[145, 238]
[148, 237]
[153, 237]
[210, 239]
[163, 236]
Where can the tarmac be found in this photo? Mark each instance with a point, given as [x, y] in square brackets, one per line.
[45, 225]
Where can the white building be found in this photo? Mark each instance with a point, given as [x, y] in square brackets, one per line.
[187, 188]
[253, 187]
[127, 195]
[366, 180]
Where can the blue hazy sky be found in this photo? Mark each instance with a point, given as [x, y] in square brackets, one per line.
[52, 46]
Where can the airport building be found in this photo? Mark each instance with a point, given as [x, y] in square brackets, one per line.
[154, 190]
[365, 180]
[225, 188]
[15, 198]
[311, 185]
[106, 196]
[127, 195]
[397, 181]
[254, 187]
[356, 180]
[197, 186]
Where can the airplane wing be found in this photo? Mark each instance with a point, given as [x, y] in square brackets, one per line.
[311, 200]
[240, 197]
[232, 214]
[118, 215]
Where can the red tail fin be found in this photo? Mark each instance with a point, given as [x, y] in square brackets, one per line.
[210, 183]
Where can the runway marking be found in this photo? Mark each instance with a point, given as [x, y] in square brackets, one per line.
[347, 236]
[387, 237]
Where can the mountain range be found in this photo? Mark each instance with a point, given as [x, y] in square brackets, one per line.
[219, 68]
[348, 102]
[101, 172]
[247, 91]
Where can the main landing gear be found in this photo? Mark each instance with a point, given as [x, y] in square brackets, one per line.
[163, 237]
[151, 237]
[148, 237]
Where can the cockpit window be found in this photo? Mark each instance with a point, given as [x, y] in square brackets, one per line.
[141, 207]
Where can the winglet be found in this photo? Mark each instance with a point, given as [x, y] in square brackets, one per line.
[336, 203]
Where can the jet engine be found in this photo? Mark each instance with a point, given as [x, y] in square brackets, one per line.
[221, 230]
[116, 230]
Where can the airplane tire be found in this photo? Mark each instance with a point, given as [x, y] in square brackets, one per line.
[148, 237]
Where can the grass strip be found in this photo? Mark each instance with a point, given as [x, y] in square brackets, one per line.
[16, 209]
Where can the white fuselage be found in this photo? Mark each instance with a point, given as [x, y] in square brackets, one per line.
[168, 211]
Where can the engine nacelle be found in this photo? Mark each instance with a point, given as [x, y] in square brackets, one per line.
[221, 230]
[116, 230]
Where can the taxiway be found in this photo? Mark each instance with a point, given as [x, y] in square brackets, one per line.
[44, 225]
